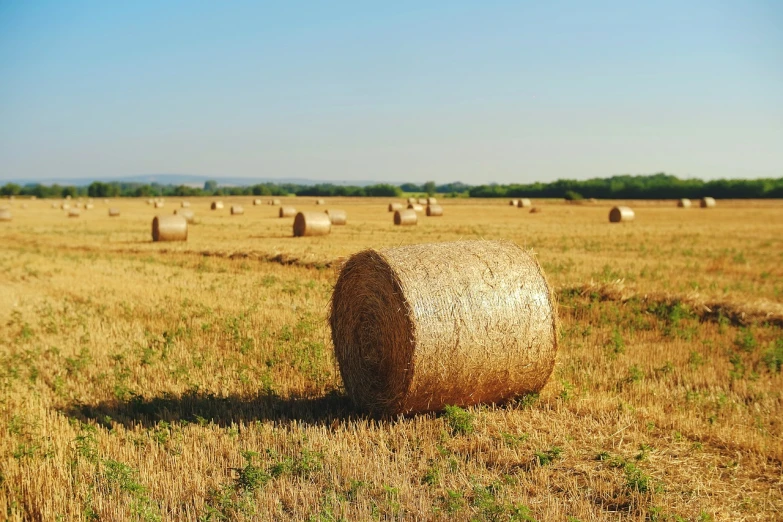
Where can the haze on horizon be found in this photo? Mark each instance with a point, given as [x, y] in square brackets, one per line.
[410, 91]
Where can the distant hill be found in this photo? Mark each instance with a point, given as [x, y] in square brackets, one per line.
[188, 180]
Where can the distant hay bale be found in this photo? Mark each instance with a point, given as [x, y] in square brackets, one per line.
[434, 210]
[188, 214]
[412, 200]
[77, 205]
[274, 202]
[416, 207]
[68, 197]
[514, 202]
[620, 214]
[65, 206]
[5, 214]
[524, 203]
[169, 228]
[114, 212]
[287, 212]
[320, 202]
[312, 224]
[24, 205]
[256, 202]
[419, 327]
[216, 205]
[89, 206]
[535, 210]
[150, 201]
[432, 201]
[337, 217]
[405, 217]
[422, 201]
[592, 200]
[185, 204]
[707, 202]
[395, 206]
[158, 204]
[55, 205]
[684, 203]
[74, 212]
[237, 210]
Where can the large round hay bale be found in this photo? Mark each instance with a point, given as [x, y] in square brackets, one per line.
[89, 206]
[287, 212]
[419, 327]
[618, 214]
[395, 206]
[275, 202]
[684, 203]
[337, 217]
[524, 203]
[416, 207]
[74, 212]
[114, 212]
[707, 202]
[169, 228]
[185, 204]
[405, 217]
[312, 224]
[150, 201]
[216, 205]
[432, 201]
[412, 201]
[422, 201]
[158, 204]
[188, 214]
[513, 202]
[320, 202]
[5, 214]
[256, 202]
[237, 210]
[434, 210]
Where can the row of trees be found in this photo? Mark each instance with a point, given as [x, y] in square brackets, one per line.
[655, 186]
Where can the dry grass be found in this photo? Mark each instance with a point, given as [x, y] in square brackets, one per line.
[182, 381]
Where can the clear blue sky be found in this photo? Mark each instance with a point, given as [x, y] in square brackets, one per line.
[393, 91]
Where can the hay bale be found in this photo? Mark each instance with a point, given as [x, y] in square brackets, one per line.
[337, 217]
[65, 206]
[169, 228]
[216, 205]
[619, 214]
[237, 210]
[114, 212]
[5, 214]
[185, 204]
[434, 210]
[432, 201]
[68, 197]
[74, 212]
[89, 206]
[684, 203]
[158, 204]
[395, 206]
[287, 212]
[24, 205]
[422, 201]
[312, 224]
[416, 207]
[524, 203]
[405, 217]
[150, 201]
[412, 201]
[275, 202]
[55, 205]
[419, 327]
[188, 214]
[514, 202]
[256, 202]
[707, 202]
[535, 210]
[320, 202]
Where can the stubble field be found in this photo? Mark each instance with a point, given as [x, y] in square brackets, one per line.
[195, 381]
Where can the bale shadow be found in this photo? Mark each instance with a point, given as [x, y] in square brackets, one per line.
[206, 408]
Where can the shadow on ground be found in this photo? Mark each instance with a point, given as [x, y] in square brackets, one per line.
[206, 408]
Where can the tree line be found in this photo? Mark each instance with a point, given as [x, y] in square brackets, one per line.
[654, 186]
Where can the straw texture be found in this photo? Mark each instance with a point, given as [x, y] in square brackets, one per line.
[419, 327]
[524, 203]
[416, 207]
[434, 210]
[169, 228]
[684, 203]
[422, 201]
[114, 212]
[216, 205]
[256, 202]
[619, 214]
[237, 210]
[707, 202]
[188, 214]
[312, 224]
[405, 217]
[287, 212]
[395, 206]
[412, 200]
[337, 217]
[275, 202]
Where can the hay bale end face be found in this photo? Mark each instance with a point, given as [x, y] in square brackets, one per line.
[434, 210]
[337, 217]
[237, 210]
[114, 212]
[312, 224]
[395, 206]
[169, 228]
[524, 203]
[256, 202]
[405, 217]
[416, 207]
[621, 214]
[419, 327]
[216, 205]
[707, 202]
[5, 214]
[684, 203]
[188, 214]
[287, 212]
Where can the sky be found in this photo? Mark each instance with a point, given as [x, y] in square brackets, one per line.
[507, 92]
